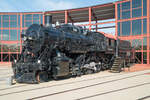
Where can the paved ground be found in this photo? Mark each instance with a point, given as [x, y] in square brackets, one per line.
[99, 86]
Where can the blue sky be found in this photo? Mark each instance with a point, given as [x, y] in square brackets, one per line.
[46, 5]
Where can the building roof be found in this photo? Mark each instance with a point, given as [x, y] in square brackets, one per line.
[99, 12]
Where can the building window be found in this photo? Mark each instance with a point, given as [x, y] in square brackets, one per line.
[0, 20]
[119, 29]
[136, 3]
[0, 34]
[13, 17]
[13, 20]
[19, 33]
[30, 19]
[41, 18]
[5, 48]
[137, 12]
[28, 23]
[144, 7]
[144, 57]
[126, 14]
[10, 21]
[13, 35]
[13, 23]
[126, 5]
[18, 20]
[13, 48]
[36, 19]
[5, 35]
[126, 28]
[5, 21]
[145, 43]
[145, 26]
[136, 27]
[137, 44]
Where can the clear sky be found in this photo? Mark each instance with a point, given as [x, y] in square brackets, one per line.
[46, 5]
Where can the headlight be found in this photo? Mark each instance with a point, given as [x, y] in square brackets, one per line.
[39, 61]
[30, 38]
[15, 60]
[25, 38]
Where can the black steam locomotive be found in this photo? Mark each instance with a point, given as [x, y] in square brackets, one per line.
[63, 51]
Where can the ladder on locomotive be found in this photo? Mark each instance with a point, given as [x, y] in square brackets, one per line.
[117, 65]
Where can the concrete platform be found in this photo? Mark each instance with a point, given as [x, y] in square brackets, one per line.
[134, 85]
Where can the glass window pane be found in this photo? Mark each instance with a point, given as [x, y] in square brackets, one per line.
[126, 28]
[125, 14]
[137, 12]
[13, 48]
[0, 21]
[13, 35]
[5, 48]
[18, 47]
[5, 35]
[119, 29]
[36, 22]
[13, 24]
[18, 20]
[27, 24]
[23, 21]
[137, 44]
[28, 17]
[13, 17]
[35, 16]
[136, 27]
[145, 26]
[5, 17]
[144, 43]
[13, 21]
[136, 3]
[0, 34]
[5, 21]
[144, 57]
[41, 19]
[144, 7]
[19, 33]
[126, 5]
[5, 24]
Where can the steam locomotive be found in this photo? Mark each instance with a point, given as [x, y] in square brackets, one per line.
[64, 51]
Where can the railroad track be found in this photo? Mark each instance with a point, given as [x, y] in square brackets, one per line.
[63, 83]
[144, 98]
[47, 95]
[87, 97]
[52, 85]
[100, 83]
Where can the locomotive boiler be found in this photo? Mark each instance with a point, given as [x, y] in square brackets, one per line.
[63, 51]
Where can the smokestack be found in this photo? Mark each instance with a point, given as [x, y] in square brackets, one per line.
[48, 20]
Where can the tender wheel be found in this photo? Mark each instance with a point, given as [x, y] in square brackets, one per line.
[42, 77]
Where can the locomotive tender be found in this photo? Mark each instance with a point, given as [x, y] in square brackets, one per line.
[64, 51]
